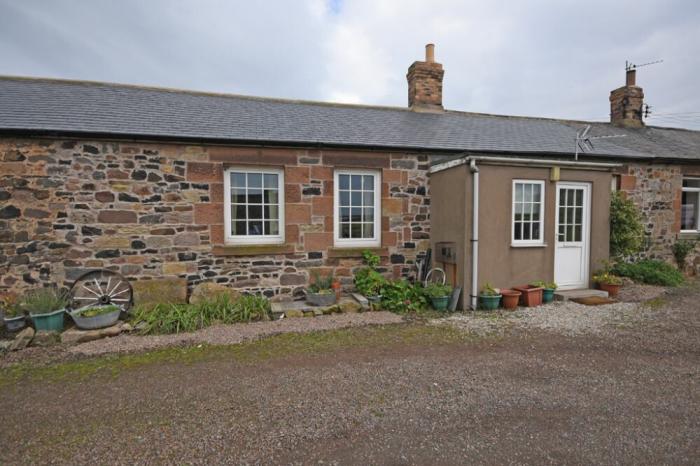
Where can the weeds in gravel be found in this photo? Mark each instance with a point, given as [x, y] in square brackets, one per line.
[177, 318]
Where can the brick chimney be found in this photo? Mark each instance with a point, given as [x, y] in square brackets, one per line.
[626, 103]
[425, 83]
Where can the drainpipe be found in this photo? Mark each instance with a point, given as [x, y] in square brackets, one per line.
[475, 233]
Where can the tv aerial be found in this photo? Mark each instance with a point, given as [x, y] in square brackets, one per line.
[584, 142]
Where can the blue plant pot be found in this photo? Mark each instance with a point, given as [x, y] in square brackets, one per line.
[547, 295]
[440, 303]
[49, 322]
[489, 303]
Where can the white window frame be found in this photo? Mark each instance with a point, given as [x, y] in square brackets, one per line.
[697, 214]
[376, 241]
[229, 238]
[527, 242]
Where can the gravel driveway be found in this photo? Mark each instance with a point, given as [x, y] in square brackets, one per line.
[396, 394]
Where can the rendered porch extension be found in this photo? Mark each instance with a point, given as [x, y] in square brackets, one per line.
[537, 220]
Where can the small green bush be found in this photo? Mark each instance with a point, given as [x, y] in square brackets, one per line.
[44, 300]
[489, 290]
[401, 297]
[322, 285]
[368, 280]
[681, 249]
[652, 272]
[176, 318]
[626, 230]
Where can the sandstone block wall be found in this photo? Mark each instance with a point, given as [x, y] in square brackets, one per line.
[156, 210]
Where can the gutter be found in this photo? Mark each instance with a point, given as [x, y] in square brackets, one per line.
[517, 161]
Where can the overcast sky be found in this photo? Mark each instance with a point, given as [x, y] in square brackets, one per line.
[553, 58]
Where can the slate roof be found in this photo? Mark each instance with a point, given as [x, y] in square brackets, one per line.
[46, 106]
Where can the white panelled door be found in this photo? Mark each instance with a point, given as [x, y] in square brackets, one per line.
[572, 235]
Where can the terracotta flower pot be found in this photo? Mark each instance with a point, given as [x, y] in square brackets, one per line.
[531, 295]
[612, 290]
[510, 299]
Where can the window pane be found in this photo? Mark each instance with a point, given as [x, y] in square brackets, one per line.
[344, 214]
[569, 233]
[238, 180]
[519, 192]
[368, 198]
[239, 228]
[271, 196]
[271, 212]
[579, 197]
[272, 228]
[271, 181]
[526, 231]
[536, 195]
[368, 214]
[238, 196]
[356, 182]
[356, 214]
[518, 212]
[238, 212]
[518, 231]
[577, 233]
[344, 181]
[689, 211]
[691, 183]
[536, 213]
[356, 198]
[255, 180]
[356, 230]
[255, 228]
[345, 230]
[255, 212]
[536, 231]
[527, 193]
[367, 230]
[345, 198]
[579, 215]
[368, 183]
[254, 196]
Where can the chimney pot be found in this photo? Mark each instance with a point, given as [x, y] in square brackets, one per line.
[631, 78]
[626, 103]
[430, 53]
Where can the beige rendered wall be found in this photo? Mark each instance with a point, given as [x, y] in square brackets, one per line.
[504, 265]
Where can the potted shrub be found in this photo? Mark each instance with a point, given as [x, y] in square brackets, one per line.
[608, 282]
[548, 289]
[13, 315]
[531, 295]
[47, 307]
[489, 298]
[510, 298]
[321, 291]
[439, 295]
[368, 280]
[92, 317]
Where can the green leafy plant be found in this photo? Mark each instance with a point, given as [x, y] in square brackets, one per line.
[44, 300]
[681, 249]
[544, 284]
[652, 272]
[489, 290]
[97, 310]
[10, 305]
[607, 278]
[176, 318]
[371, 259]
[401, 297]
[321, 285]
[368, 280]
[626, 229]
[437, 290]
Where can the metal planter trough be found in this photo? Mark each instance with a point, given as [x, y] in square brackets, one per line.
[98, 321]
[321, 299]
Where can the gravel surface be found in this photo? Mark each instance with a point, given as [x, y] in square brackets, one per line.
[398, 394]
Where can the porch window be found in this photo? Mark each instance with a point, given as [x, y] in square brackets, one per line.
[528, 213]
[690, 205]
[254, 206]
[357, 209]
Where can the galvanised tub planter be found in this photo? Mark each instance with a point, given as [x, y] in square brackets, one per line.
[321, 299]
[13, 324]
[98, 321]
[49, 322]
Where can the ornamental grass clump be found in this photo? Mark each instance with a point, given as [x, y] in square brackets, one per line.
[44, 300]
[178, 318]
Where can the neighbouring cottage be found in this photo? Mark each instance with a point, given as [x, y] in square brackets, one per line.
[256, 193]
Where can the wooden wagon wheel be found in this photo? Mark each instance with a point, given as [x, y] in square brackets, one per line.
[435, 275]
[101, 287]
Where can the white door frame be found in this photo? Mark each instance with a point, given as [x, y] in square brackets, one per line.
[586, 232]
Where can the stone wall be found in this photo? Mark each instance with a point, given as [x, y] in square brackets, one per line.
[156, 210]
[656, 189]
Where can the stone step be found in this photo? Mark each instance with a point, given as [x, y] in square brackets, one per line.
[303, 309]
[566, 295]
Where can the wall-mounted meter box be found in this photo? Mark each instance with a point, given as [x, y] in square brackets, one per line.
[446, 252]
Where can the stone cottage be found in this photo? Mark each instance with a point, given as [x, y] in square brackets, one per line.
[255, 193]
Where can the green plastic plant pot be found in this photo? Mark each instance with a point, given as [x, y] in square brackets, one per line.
[49, 322]
[440, 304]
[489, 303]
[548, 295]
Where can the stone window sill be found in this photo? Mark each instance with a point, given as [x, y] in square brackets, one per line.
[689, 235]
[356, 252]
[539, 245]
[252, 250]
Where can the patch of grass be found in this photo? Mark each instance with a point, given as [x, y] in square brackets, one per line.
[655, 303]
[245, 353]
[651, 272]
